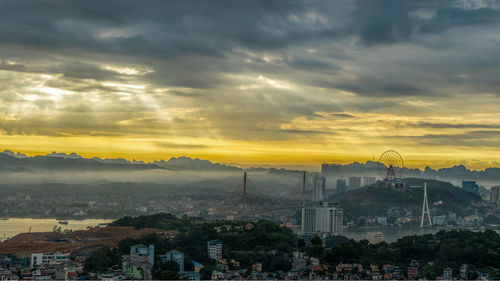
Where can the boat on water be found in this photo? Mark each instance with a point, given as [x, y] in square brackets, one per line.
[63, 222]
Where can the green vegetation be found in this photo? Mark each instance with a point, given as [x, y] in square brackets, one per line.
[166, 271]
[375, 201]
[265, 242]
[272, 245]
[444, 249]
[102, 260]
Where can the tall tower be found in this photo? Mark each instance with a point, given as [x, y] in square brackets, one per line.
[425, 208]
[245, 195]
[304, 189]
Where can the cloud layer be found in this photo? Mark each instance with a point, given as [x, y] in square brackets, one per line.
[286, 82]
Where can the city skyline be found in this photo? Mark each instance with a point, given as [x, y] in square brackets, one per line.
[287, 84]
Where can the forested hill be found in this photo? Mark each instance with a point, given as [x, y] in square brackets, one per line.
[374, 201]
[266, 242]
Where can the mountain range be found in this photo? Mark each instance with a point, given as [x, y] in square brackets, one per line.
[10, 161]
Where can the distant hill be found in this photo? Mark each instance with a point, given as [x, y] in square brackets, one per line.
[374, 201]
[459, 172]
[369, 168]
[10, 163]
[186, 163]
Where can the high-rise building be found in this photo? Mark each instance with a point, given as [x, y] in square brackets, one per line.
[341, 186]
[319, 188]
[369, 180]
[328, 169]
[354, 182]
[322, 218]
[214, 248]
[495, 194]
[470, 186]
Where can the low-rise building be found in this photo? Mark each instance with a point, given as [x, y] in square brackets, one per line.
[176, 256]
[448, 274]
[192, 275]
[38, 259]
[217, 275]
[143, 250]
[439, 220]
[375, 237]
[413, 270]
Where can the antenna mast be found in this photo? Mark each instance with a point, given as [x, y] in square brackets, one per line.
[245, 196]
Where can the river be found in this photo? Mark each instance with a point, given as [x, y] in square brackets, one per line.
[13, 226]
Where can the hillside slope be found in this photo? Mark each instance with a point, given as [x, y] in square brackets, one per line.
[374, 201]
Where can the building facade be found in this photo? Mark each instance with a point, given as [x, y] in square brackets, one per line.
[143, 250]
[439, 220]
[495, 194]
[375, 237]
[369, 180]
[354, 182]
[448, 274]
[38, 259]
[322, 218]
[214, 248]
[341, 185]
[413, 270]
[318, 188]
[176, 256]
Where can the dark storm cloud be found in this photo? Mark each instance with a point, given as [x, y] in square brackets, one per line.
[383, 21]
[448, 17]
[370, 86]
[171, 35]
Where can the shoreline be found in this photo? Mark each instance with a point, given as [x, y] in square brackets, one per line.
[57, 218]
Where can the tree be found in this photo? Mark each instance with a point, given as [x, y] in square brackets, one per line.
[102, 260]
[315, 249]
[125, 244]
[301, 243]
[166, 271]
[206, 272]
[316, 241]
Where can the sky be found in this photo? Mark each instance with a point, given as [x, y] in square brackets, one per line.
[282, 83]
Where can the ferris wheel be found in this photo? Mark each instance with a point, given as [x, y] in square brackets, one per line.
[390, 165]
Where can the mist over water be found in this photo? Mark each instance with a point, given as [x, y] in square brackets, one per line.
[93, 177]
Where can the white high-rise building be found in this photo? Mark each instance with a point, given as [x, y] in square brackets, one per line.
[214, 248]
[323, 218]
[319, 188]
